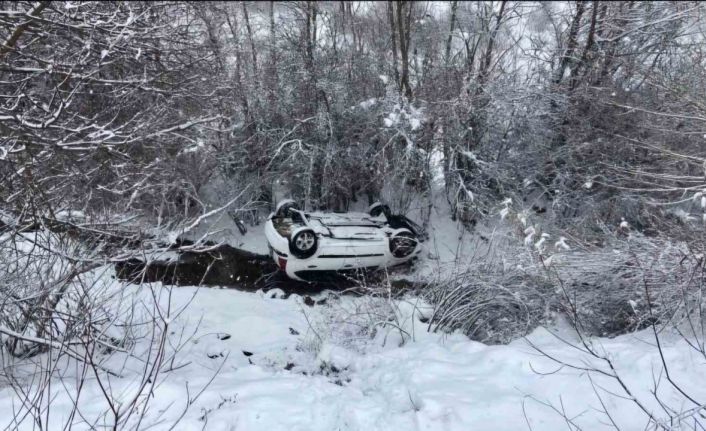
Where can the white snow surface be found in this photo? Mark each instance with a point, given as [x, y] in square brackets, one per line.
[367, 363]
[221, 228]
[322, 368]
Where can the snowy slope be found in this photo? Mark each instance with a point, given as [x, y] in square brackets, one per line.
[221, 228]
[369, 364]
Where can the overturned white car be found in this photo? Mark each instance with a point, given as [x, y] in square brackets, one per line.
[303, 244]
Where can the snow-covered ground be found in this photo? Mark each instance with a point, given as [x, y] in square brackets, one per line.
[368, 363]
[222, 229]
[259, 361]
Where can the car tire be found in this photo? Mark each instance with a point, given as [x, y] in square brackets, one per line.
[377, 209]
[303, 243]
[403, 243]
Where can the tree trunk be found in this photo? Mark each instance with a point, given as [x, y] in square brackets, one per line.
[567, 58]
[403, 31]
[588, 48]
[393, 31]
[447, 56]
[20, 29]
[272, 75]
[233, 25]
[484, 70]
[252, 42]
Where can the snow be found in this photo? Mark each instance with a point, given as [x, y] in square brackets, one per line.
[539, 245]
[221, 228]
[369, 363]
[405, 116]
[194, 148]
[530, 232]
[683, 215]
[322, 368]
[561, 244]
[68, 215]
[101, 133]
[472, 157]
[7, 218]
[369, 103]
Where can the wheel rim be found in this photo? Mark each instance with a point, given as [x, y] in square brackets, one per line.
[305, 241]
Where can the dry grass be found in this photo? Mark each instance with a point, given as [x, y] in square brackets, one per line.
[619, 288]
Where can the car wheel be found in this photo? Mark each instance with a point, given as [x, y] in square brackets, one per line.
[303, 243]
[377, 209]
[403, 243]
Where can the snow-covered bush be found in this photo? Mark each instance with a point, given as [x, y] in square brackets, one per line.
[531, 272]
[491, 306]
[65, 319]
[628, 284]
[623, 287]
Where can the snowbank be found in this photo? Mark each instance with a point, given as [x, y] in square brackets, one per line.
[369, 364]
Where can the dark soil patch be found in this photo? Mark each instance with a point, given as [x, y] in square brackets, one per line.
[219, 265]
